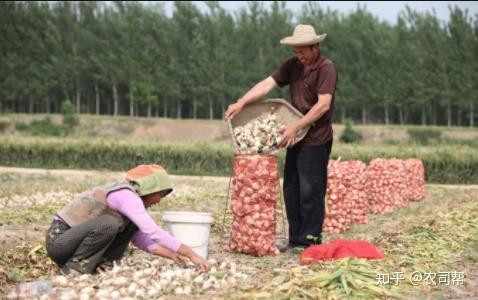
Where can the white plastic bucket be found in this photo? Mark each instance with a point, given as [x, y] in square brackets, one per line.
[190, 228]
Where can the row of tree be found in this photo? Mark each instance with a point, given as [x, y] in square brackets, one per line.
[129, 58]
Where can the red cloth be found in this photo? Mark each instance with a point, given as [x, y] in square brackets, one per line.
[340, 248]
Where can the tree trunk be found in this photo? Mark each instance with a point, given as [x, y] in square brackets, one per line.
[97, 99]
[30, 106]
[165, 109]
[400, 114]
[434, 114]
[78, 95]
[448, 114]
[387, 120]
[149, 109]
[472, 112]
[131, 103]
[261, 59]
[424, 116]
[109, 111]
[195, 106]
[178, 109]
[458, 116]
[115, 100]
[47, 105]
[364, 114]
[223, 107]
[211, 109]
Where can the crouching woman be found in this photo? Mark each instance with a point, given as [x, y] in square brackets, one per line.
[97, 226]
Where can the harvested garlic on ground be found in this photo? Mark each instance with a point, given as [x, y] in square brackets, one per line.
[115, 295]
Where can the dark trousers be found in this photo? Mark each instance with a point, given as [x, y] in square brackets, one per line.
[87, 245]
[305, 185]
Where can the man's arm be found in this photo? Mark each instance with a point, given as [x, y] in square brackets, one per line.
[258, 91]
[317, 111]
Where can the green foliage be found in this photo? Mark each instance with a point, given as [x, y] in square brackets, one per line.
[70, 118]
[424, 135]
[443, 163]
[313, 238]
[179, 65]
[43, 127]
[3, 126]
[21, 126]
[15, 275]
[349, 135]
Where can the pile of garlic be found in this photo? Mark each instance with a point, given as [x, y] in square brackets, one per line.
[51, 198]
[259, 136]
[150, 279]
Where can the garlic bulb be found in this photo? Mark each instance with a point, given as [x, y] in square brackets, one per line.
[144, 278]
[259, 136]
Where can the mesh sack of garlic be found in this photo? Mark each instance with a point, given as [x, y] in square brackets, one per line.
[142, 279]
[253, 203]
[259, 136]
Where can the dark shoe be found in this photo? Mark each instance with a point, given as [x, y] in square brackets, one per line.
[106, 266]
[67, 271]
[294, 249]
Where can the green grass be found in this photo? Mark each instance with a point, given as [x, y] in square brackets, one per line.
[444, 163]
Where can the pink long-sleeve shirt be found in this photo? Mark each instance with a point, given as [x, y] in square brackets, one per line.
[149, 236]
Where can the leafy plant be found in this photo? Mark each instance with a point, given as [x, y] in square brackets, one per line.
[350, 135]
[3, 126]
[15, 275]
[43, 127]
[424, 135]
[313, 238]
[70, 118]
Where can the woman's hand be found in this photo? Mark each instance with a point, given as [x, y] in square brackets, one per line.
[200, 263]
[166, 253]
[177, 259]
[197, 260]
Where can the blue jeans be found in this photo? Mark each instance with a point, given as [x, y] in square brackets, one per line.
[305, 185]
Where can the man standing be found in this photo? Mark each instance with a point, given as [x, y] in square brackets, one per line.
[312, 79]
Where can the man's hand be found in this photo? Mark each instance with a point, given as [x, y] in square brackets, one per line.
[289, 135]
[257, 92]
[233, 109]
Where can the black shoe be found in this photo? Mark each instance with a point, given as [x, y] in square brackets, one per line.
[294, 249]
[67, 271]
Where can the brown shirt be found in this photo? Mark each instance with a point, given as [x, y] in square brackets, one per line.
[305, 88]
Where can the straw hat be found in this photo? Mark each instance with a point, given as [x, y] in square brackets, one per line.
[304, 35]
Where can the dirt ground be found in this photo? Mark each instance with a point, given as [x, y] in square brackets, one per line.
[141, 128]
[23, 230]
